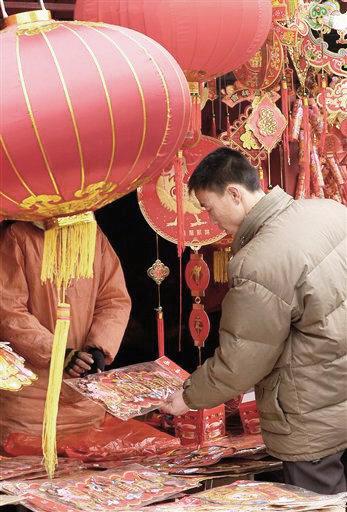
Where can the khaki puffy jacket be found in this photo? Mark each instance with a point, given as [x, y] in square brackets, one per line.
[284, 327]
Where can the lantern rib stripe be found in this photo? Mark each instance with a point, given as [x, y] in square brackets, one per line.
[70, 107]
[167, 95]
[144, 112]
[8, 198]
[17, 173]
[32, 118]
[174, 68]
[107, 95]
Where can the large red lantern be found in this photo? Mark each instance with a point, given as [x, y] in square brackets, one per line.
[89, 113]
[208, 39]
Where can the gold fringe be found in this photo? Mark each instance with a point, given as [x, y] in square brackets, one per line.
[49, 428]
[69, 249]
[220, 265]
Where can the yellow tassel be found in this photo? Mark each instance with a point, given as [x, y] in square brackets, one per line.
[220, 265]
[69, 249]
[49, 429]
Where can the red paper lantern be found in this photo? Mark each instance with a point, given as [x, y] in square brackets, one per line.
[208, 39]
[89, 113]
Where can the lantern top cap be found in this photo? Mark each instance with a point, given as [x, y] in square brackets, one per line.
[22, 18]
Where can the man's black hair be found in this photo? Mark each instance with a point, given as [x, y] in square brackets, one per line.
[221, 167]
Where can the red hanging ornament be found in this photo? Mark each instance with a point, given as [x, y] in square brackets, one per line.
[158, 272]
[197, 276]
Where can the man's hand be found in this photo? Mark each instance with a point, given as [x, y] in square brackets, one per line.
[176, 405]
[77, 363]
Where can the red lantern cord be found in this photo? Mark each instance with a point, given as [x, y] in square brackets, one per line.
[285, 111]
[306, 148]
[179, 202]
[325, 117]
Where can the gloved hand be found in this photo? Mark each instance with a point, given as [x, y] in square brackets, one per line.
[99, 360]
[77, 363]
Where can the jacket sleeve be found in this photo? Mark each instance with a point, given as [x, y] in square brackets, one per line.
[112, 308]
[27, 336]
[254, 326]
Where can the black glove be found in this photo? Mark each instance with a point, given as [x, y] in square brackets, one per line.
[77, 362]
[99, 360]
[70, 357]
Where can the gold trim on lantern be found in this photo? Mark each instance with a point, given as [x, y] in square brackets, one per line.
[70, 107]
[194, 88]
[15, 170]
[32, 117]
[27, 17]
[69, 220]
[107, 95]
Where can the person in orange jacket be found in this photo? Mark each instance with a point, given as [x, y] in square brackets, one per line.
[100, 310]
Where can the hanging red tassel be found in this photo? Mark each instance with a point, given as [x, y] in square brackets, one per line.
[325, 116]
[285, 111]
[179, 202]
[306, 146]
[160, 332]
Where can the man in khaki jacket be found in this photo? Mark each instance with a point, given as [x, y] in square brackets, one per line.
[284, 320]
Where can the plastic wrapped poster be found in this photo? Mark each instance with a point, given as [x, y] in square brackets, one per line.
[104, 491]
[133, 390]
[13, 374]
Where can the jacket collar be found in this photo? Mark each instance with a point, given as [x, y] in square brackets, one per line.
[269, 206]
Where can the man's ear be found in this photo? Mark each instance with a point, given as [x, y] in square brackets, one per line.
[234, 192]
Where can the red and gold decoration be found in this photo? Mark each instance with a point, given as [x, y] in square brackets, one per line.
[267, 124]
[158, 272]
[157, 201]
[125, 127]
[197, 276]
[13, 373]
[89, 112]
[201, 428]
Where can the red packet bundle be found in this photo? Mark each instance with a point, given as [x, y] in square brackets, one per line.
[110, 490]
[133, 390]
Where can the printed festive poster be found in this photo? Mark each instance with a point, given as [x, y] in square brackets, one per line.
[133, 390]
[104, 491]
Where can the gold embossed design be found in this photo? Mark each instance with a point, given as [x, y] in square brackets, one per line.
[267, 123]
[32, 29]
[93, 196]
[248, 140]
